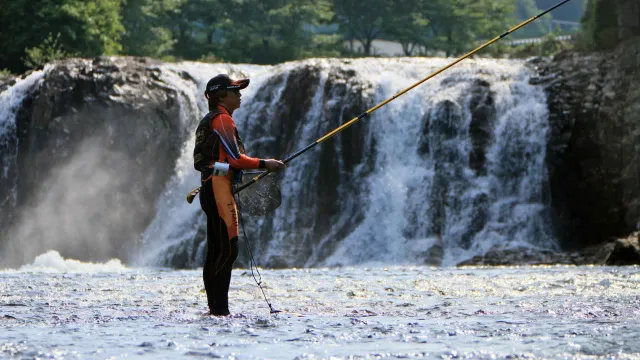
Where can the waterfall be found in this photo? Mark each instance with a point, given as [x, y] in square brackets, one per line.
[457, 163]
[449, 172]
[10, 101]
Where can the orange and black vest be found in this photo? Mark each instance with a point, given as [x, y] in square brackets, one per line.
[207, 149]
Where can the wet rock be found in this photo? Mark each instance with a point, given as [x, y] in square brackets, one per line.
[512, 256]
[187, 254]
[483, 116]
[478, 221]
[593, 155]
[434, 255]
[86, 127]
[625, 251]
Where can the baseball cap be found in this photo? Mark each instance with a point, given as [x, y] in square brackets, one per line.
[224, 82]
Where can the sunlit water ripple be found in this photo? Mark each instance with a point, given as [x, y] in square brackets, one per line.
[108, 310]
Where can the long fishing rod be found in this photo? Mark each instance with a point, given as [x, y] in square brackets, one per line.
[195, 191]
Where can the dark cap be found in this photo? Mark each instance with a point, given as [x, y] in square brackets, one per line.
[224, 82]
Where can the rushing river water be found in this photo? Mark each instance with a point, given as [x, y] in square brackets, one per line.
[57, 308]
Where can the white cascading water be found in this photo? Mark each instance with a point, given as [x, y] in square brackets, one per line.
[403, 180]
[413, 198]
[10, 101]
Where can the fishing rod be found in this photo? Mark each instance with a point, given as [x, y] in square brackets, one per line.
[195, 191]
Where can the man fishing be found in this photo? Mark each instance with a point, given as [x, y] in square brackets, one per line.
[218, 146]
[219, 155]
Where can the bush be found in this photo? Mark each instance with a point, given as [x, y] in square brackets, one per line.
[50, 50]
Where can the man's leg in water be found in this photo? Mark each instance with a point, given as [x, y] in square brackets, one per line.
[216, 231]
[214, 249]
[223, 276]
[227, 210]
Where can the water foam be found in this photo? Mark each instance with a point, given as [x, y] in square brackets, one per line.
[53, 262]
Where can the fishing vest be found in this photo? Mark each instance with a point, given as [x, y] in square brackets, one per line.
[207, 144]
[207, 149]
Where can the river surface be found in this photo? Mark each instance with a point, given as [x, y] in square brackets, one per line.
[57, 308]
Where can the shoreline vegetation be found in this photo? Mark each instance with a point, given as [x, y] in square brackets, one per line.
[271, 32]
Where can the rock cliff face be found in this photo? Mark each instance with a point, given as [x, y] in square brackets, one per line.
[97, 142]
[594, 152]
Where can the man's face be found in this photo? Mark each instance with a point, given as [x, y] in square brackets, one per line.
[232, 99]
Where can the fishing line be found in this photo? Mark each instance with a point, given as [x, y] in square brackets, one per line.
[252, 260]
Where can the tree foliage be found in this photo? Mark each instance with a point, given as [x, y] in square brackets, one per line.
[600, 24]
[85, 28]
[410, 24]
[525, 9]
[449, 26]
[458, 25]
[271, 31]
[254, 31]
[362, 20]
[50, 50]
[145, 22]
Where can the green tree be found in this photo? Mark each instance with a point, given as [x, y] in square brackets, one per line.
[526, 9]
[48, 51]
[195, 26]
[409, 25]
[362, 20]
[458, 25]
[600, 23]
[18, 32]
[146, 24]
[272, 31]
[85, 28]
[90, 28]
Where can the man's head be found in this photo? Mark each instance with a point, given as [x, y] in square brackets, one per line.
[224, 91]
